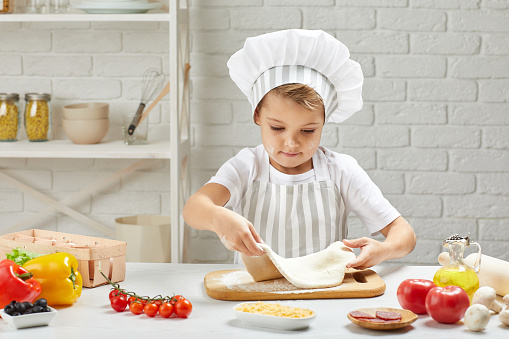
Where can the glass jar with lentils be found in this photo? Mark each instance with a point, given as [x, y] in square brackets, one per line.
[38, 116]
[6, 6]
[10, 116]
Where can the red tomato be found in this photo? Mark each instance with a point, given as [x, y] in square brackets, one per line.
[119, 303]
[151, 309]
[183, 308]
[114, 293]
[166, 310]
[412, 294]
[136, 307]
[175, 298]
[447, 304]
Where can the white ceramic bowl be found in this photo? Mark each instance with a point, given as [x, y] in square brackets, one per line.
[112, 3]
[101, 1]
[29, 320]
[86, 132]
[86, 111]
[271, 321]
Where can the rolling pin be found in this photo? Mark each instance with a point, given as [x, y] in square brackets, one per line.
[493, 272]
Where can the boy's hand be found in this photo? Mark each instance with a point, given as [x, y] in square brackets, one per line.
[399, 241]
[237, 233]
[372, 252]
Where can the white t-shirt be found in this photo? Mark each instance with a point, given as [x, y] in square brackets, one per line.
[359, 192]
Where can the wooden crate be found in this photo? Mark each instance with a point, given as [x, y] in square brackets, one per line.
[89, 251]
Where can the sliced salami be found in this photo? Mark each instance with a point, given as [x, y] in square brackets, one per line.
[361, 315]
[388, 315]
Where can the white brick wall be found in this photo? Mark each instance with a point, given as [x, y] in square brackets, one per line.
[78, 62]
[433, 132]
[432, 135]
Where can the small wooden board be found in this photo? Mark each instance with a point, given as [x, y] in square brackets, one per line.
[407, 317]
[239, 285]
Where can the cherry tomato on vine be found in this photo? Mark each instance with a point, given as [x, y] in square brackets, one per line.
[115, 293]
[119, 303]
[136, 308]
[151, 309]
[166, 310]
[183, 308]
[175, 298]
[130, 300]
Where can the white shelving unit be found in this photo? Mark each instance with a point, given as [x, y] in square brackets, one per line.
[176, 150]
[20, 17]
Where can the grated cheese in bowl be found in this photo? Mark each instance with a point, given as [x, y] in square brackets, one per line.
[275, 309]
[273, 315]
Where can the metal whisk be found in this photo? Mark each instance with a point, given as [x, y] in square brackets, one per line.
[151, 84]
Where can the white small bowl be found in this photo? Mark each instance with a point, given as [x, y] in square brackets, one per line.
[86, 132]
[86, 111]
[271, 321]
[29, 320]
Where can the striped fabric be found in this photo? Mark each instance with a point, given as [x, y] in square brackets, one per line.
[280, 75]
[296, 220]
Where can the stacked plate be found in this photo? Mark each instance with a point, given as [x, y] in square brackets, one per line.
[117, 6]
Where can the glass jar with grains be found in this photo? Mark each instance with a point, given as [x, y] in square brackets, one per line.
[38, 116]
[10, 116]
[6, 6]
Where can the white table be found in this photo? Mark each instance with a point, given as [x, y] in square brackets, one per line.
[92, 316]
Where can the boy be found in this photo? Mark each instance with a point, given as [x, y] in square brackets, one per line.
[289, 192]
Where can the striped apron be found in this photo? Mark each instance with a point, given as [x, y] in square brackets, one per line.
[296, 220]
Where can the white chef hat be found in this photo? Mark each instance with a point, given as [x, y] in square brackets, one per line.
[310, 57]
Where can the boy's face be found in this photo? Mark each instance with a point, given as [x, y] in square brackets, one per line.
[290, 133]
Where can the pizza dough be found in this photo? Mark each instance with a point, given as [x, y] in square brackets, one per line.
[261, 268]
[317, 270]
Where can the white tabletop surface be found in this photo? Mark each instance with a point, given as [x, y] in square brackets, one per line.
[92, 317]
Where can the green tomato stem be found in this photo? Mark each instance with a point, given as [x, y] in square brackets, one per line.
[132, 294]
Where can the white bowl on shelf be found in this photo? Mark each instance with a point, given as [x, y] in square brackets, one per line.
[86, 132]
[120, 7]
[113, 3]
[86, 111]
[29, 320]
[103, 1]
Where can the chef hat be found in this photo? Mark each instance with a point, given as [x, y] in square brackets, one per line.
[310, 57]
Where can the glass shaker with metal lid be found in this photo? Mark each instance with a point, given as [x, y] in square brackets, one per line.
[10, 116]
[38, 116]
[456, 272]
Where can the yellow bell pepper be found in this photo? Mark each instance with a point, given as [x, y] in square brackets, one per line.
[59, 277]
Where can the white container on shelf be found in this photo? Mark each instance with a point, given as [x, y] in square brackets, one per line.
[147, 236]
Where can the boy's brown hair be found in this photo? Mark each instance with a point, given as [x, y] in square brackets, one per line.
[301, 94]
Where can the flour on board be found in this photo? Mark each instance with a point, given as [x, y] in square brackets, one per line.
[242, 281]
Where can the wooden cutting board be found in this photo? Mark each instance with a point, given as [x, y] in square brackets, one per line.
[239, 285]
